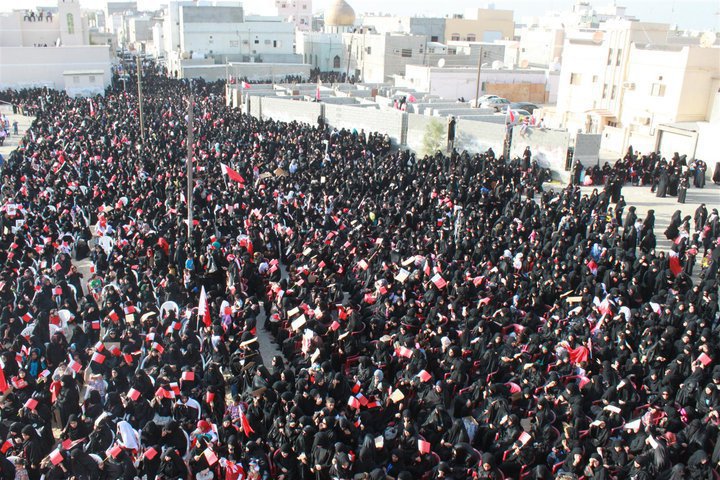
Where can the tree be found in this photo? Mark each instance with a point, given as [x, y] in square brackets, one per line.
[434, 139]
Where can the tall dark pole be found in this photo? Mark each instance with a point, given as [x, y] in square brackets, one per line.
[189, 166]
[477, 83]
[140, 98]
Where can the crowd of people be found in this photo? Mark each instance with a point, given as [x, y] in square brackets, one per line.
[667, 177]
[444, 317]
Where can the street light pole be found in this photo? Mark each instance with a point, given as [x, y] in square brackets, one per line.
[140, 99]
[189, 167]
[477, 83]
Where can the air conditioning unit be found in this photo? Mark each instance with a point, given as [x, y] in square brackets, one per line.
[629, 85]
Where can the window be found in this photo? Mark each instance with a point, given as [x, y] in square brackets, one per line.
[406, 52]
[234, 43]
[455, 37]
[368, 50]
[304, 7]
[605, 88]
[257, 41]
[657, 90]
[575, 78]
[92, 78]
[70, 23]
[276, 44]
[471, 37]
[434, 38]
[336, 61]
[610, 56]
[614, 90]
[595, 78]
[619, 57]
[267, 42]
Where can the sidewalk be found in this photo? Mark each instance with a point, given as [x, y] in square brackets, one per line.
[24, 123]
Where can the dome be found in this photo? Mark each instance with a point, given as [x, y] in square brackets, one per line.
[339, 14]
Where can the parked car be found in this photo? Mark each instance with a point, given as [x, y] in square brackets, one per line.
[498, 103]
[530, 107]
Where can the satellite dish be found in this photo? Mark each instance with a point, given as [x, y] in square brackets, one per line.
[598, 37]
[707, 39]
[441, 63]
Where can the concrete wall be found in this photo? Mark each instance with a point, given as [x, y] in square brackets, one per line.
[289, 110]
[477, 137]
[548, 147]
[28, 66]
[389, 122]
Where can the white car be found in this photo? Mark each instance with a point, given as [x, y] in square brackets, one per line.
[497, 103]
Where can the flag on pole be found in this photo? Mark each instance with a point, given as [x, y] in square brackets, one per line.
[245, 424]
[511, 116]
[245, 85]
[232, 174]
[203, 310]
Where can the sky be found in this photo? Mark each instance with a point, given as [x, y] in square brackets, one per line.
[687, 14]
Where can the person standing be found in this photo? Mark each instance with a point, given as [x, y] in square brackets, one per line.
[682, 189]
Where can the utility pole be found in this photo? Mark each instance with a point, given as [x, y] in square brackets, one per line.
[140, 98]
[189, 166]
[477, 83]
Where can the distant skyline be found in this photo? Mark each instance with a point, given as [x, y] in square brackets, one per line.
[686, 14]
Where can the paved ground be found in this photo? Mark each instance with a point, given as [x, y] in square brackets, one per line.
[23, 124]
[643, 199]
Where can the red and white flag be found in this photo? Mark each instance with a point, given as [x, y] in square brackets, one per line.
[245, 85]
[203, 310]
[247, 429]
[232, 174]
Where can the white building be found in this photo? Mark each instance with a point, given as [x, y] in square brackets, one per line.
[297, 12]
[40, 53]
[433, 28]
[198, 35]
[325, 50]
[377, 58]
[538, 86]
[594, 67]
[628, 81]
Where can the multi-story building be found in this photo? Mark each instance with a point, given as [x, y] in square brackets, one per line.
[221, 33]
[629, 79]
[433, 28]
[297, 12]
[54, 52]
[480, 25]
[377, 58]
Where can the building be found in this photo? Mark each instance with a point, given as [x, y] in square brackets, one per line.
[297, 12]
[480, 25]
[325, 50]
[594, 67]
[44, 53]
[377, 58]
[540, 47]
[528, 85]
[670, 102]
[433, 28]
[218, 34]
[628, 81]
